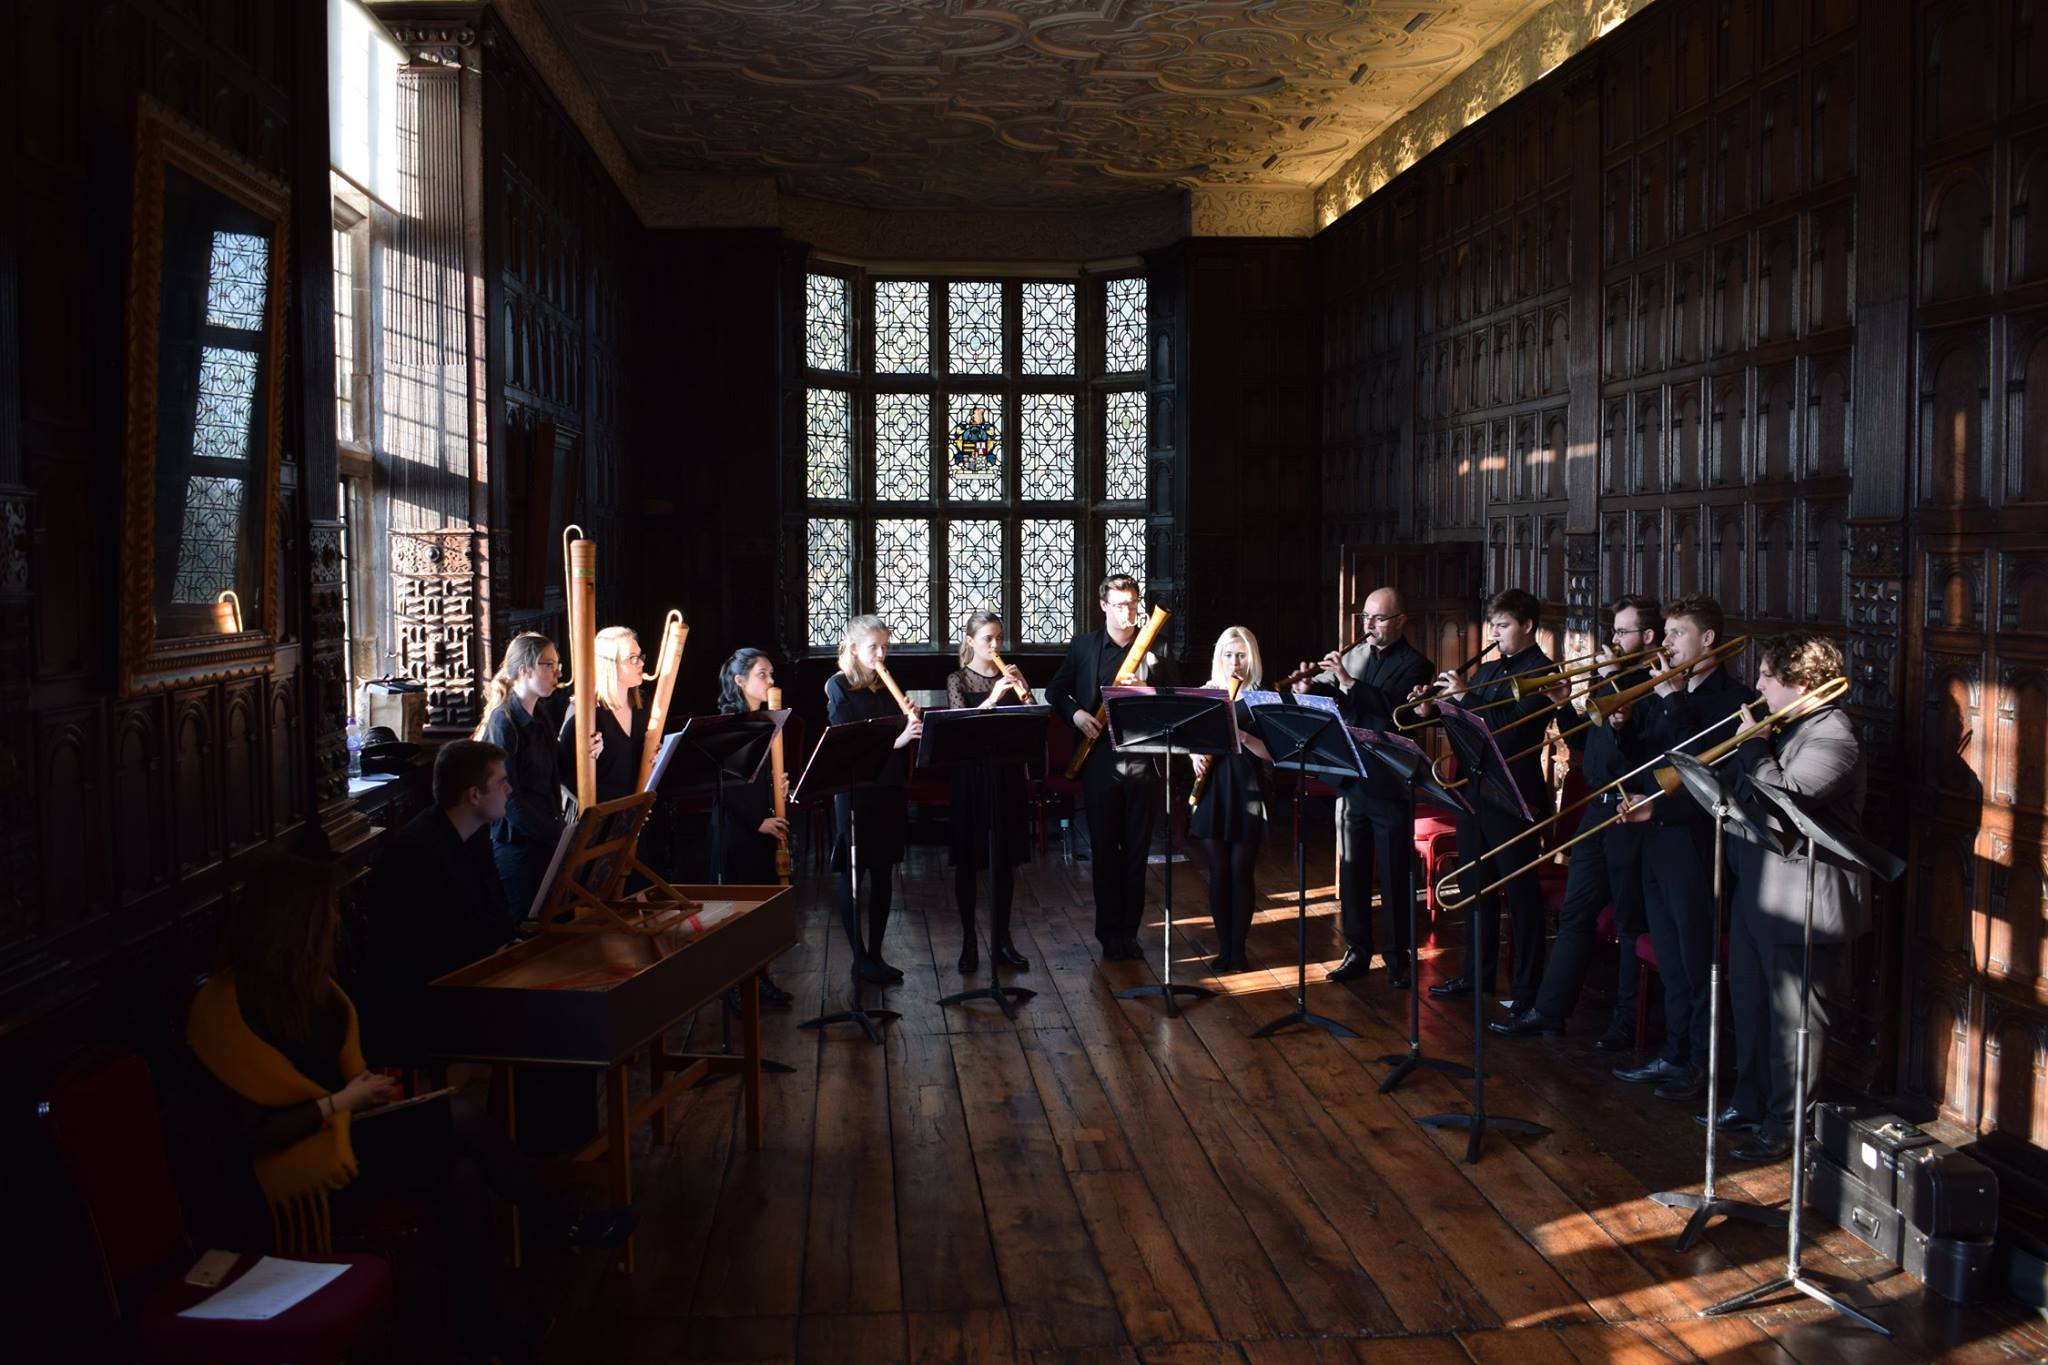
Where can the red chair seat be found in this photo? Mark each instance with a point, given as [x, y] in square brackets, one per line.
[324, 1327]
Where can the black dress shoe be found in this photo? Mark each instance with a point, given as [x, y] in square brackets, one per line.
[1690, 1086]
[970, 960]
[895, 973]
[1764, 1147]
[1731, 1120]
[1398, 975]
[874, 972]
[601, 1227]
[1134, 951]
[1656, 1071]
[1611, 1041]
[1530, 1023]
[1354, 966]
[1226, 962]
[1003, 955]
[772, 994]
[1455, 988]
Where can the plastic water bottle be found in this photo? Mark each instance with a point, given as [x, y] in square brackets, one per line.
[1066, 839]
[355, 749]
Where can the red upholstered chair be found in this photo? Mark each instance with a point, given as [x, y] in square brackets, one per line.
[1051, 782]
[1436, 840]
[103, 1123]
[1646, 962]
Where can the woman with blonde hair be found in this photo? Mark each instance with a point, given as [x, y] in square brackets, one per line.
[875, 816]
[1230, 819]
[620, 717]
[524, 841]
[988, 799]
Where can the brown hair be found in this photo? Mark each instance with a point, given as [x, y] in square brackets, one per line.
[523, 653]
[974, 625]
[1117, 582]
[1702, 610]
[279, 946]
[1518, 603]
[461, 767]
[1801, 659]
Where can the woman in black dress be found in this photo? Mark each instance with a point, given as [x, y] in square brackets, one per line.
[875, 815]
[1230, 820]
[748, 830]
[988, 799]
[524, 841]
[620, 717]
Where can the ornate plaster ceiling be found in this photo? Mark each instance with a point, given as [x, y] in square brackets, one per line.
[1015, 103]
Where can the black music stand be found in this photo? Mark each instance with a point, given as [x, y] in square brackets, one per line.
[1403, 761]
[1169, 721]
[1307, 734]
[1706, 786]
[846, 760]
[1824, 837]
[699, 759]
[998, 735]
[1480, 758]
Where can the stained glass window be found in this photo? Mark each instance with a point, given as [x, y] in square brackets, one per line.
[974, 445]
[1046, 445]
[903, 446]
[1049, 327]
[903, 577]
[1123, 548]
[1124, 447]
[903, 327]
[206, 543]
[828, 322]
[1045, 575]
[828, 465]
[828, 545]
[1124, 325]
[974, 571]
[974, 327]
[227, 386]
[236, 275]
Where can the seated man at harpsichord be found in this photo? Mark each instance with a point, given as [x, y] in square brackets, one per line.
[436, 901]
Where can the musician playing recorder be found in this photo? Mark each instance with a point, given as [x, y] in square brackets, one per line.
[856, 693]
[1121, 793]
[1678, 842]
[1817, 756]
[1511, 618]
[1375, 825]
[987, 815]
[1606, 869]
[747, 831]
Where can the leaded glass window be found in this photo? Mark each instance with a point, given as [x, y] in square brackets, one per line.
[206, 543]
[828, 543]
[828, 465]
[903, 446]
[974, 446]
[236, 276]
[1045, 567]
[903, 327]
[828, 322]
[1123, 448]
[974, 327]
[1123, 548]
[344, 334]
[1046, 450]
[974, 572]
[1049, 327]
[1124, 325]
[919, 396]
[903, 577]
[227, 393]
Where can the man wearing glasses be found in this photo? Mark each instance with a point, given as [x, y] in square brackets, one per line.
[1375, 823]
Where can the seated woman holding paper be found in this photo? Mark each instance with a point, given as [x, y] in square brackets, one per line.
[276, 1030]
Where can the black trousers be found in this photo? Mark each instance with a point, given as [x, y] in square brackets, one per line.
[1763, 996]
[876, 882]
[1607, 868]
[1678, 900]
[1231, 896]
[1489, 827]
[1122, 802]
[1374, 835]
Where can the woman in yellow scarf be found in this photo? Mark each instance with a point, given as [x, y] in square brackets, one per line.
[276, 1029]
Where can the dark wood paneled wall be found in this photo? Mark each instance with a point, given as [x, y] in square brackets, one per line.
[1742, 301]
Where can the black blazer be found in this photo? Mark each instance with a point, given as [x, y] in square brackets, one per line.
[1599, 748]
[1489, 684]
[1091, 665]
[1384, 680]
[1664, 723]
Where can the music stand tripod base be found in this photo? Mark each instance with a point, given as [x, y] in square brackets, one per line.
[1008, 997]
[855, 1014]
[1167, 990]
[1478, 1124]
[769, 1066]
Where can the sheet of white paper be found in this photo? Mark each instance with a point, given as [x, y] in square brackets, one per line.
[270, 1287]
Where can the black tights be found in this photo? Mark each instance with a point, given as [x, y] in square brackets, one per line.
[876, 881]
[1230, 891]
[999, 879]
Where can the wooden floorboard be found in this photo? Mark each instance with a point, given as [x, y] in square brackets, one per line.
[1098, 1182]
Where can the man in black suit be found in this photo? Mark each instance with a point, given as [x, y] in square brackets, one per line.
[1606, 869]
[1375, 823]
[1818, 757]
[1678, 840]
[436, 901]
[1120, 793]
[1512, 617]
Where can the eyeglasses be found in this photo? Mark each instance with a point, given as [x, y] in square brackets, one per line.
[1380, 618]
[1639, 630]
[554, 665]
[640, 659]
